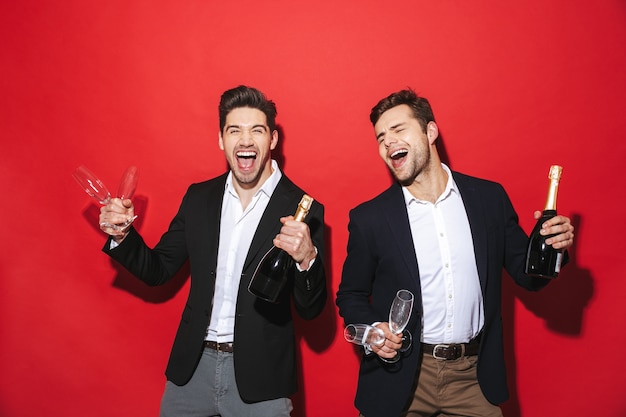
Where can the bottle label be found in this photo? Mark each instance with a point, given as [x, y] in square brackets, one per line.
[559, 258]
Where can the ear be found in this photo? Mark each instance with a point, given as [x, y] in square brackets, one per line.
[274, 140]
[432, 132]
[221, 141]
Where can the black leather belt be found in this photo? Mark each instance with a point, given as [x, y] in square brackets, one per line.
[451, 351]
[220, 347]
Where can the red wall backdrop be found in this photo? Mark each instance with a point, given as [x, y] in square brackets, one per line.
[515, 87]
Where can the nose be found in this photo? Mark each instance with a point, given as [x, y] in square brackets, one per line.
[388, 140]
[246, 136]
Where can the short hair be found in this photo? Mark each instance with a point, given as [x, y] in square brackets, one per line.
[419, 106]
[244, 96]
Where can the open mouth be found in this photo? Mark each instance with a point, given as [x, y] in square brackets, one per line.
[245, 159]
[397, 157]
[246, 155]
[400, 153]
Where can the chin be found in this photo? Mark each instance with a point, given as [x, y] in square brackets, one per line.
[405, 180]
[247, 178]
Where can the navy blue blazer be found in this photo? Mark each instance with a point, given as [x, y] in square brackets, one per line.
[381, 260]
[264, 354]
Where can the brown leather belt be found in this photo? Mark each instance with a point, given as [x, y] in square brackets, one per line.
[220, 347]
[451, 351]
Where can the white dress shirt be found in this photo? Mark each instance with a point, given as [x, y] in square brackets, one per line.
[237, 228]
[451, 295]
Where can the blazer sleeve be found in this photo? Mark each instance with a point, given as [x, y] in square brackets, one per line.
[516, 241]
[154, 266]
[309, 287]
[359, 269]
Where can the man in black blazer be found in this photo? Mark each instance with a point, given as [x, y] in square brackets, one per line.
[445, 237]
[234, 354]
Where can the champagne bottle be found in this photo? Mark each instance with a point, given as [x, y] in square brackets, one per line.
[272, 273]
[543, 260]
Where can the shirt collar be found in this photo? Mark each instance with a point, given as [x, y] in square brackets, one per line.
[450, 188]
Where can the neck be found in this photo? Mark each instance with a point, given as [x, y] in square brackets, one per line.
[430, 183]
[245, 194]
[246, 191]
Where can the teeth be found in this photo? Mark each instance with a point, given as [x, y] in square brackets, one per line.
[399, 154]
[248, 154]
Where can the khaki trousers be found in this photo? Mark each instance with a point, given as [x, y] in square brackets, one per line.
[450, 388]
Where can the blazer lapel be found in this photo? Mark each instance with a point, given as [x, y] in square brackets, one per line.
[208, 223]
[282, 199]
[473, 207]
[398, 221]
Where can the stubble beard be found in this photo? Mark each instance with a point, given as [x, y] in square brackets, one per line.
[247, 178]
[416, 166]
[250, 178]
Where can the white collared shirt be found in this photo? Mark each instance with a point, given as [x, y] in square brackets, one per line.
[451, 295]
[237, 228]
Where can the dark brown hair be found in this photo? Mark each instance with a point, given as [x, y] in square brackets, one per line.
[419, 105]
[244, 96]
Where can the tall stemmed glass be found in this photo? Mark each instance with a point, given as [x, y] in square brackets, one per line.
[93, 186]
[128, 183]
[399, 316]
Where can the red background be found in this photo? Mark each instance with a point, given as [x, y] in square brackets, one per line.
[515, 86]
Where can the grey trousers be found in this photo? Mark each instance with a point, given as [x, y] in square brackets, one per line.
[212, 391]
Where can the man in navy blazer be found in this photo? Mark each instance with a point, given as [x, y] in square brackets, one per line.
[234, 354]
[445, 237]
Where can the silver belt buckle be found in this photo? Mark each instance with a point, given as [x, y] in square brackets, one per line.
[438, 347]
[442, 346]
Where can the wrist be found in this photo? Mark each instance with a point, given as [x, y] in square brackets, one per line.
[119, 238]
[308, 260]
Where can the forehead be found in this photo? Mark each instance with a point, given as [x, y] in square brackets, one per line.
[393, 117]
[245, 117]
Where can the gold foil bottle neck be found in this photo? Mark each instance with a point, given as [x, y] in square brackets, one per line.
[555, 172]
[303, 207]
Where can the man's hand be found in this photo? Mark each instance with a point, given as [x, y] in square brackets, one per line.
[559, 226]
[115, 218]
[393, 342]
[295, 239]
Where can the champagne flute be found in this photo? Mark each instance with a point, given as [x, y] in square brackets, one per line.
[399, 316]
[364, 335]
[128, 183]
[92, 185]
[95, 188]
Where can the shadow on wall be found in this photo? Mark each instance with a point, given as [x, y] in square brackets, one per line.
[318, 333]
[561, 304]
[124, 280]
[573, 289]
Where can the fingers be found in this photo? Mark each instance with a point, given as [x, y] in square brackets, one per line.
[115, 218]
[392, 343]
[563, 230]
[561, 241]
[295, 239]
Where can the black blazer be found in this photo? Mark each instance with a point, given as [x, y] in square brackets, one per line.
[264, 354]
[381, 260]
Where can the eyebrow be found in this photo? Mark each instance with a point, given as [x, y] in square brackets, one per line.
[265, 127]
[394, 127]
